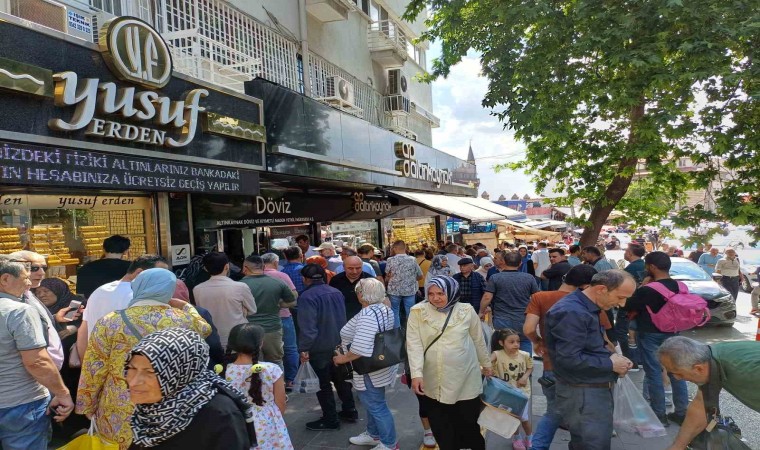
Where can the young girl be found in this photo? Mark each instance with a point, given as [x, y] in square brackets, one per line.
[514, 366]
[264, 384]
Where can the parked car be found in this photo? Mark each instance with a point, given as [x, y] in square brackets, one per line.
[719, 300]
[750, 260]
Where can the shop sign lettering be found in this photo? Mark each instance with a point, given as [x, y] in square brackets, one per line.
[409, 167]
[272, 206]
[376, 206]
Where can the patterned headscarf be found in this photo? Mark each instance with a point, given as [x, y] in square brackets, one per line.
[450, 287]
[180, 359]
[61, 291]
[154, 284]
[436, 266]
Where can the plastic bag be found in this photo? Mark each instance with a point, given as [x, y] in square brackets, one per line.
[632, 413]
[487, 333]
[306, 381]
[499, 422]
[90, 441]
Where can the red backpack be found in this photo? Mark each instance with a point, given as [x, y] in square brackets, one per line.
[682, 311]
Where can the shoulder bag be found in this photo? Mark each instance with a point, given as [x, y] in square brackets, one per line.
[389, 350]
[129, 324]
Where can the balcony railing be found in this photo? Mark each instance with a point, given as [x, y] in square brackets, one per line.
[387, 35]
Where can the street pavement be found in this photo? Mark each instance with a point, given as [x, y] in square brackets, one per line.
[303, 408]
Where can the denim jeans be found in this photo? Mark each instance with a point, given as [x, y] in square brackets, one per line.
[379, 418]
[25, 427]
[328, 376]
[621, 327]
[648, 345]
[290, 348]
[396, 305]
[543, 434]
[500, 324]
[588, 412]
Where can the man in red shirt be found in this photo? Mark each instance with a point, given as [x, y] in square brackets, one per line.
[579, 277]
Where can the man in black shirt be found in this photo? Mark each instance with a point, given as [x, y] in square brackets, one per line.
[346, 281]
[110, 268]
[557, 270]
[657, 265]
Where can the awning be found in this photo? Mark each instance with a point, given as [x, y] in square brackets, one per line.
[507, 213]
[449, 205]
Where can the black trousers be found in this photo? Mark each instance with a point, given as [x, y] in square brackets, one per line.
[455, 427]
[327, 373]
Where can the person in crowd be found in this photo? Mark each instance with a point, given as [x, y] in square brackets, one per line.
[439, 267]
[293, 267]
[729, 268]
[526, 262]
[452, 251]
[592, 255]
[102, 394]
[424, 263]
[755, 295]
[228, 301]
[624, 336]
[194, 274]
[264, 384]
[574, 257]
[694, 256]
[366, 253]
[328, 251]
[113, 296]
[358, 340]
[650, 338]
[482, 252]
[514, 366]
[446, 364]
[289, 342]
[707, 261]
[579, 277]
[322, 316]
[472, 285]
[322, 262]
[559, 267]
[486, 263]
[270, 295]
[178, 402]
[634, 254]
[508, 293]
[732, 366]
[28, 376]
[402, 274]
[302, 241]
[541, 262]
[110, 268]
[346, 283]
[584, 367]
[36, 265]
[347, 252]
[498, 260]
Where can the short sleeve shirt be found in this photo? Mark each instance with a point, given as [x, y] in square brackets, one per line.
[511, 294]
[512, 368]
[20, 329]
[404, 271]
[105, 300]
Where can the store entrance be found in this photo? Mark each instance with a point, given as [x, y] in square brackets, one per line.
[238, 243]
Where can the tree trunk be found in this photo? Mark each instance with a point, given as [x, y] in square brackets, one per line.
[617, 189]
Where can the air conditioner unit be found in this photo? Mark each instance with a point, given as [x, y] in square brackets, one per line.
[338, 89]
[44, 12]
[397, 83]
[98, 19]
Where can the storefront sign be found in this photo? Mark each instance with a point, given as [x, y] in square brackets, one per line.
[24, 164]
[377, 206]
[236, 128]
[73, 201]
[284, 232]
[411, 168]
[180, 254]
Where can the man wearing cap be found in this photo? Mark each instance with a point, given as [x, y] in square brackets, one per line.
[321, 315]
[472, 285]
[327, 250]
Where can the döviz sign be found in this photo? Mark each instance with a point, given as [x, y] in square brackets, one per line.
[411, 168]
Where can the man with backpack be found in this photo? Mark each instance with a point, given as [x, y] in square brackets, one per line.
[657, 322]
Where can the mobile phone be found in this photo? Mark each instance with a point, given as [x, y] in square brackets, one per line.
[546, 382]
[73, 308]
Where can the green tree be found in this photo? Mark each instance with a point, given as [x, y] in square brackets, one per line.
[600, 91]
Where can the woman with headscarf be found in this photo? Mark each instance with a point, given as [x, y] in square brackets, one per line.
[438, 267]
[447, 355]
[486, 263]
[526, 264]
[179, 403]
[321, 262]
[103, 394]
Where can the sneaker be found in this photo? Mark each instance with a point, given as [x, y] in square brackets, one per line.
[364, 439]
[518, 444]
[323, 425]
[428, 440]
[380, 446]
[351, 416]
[528, 442]
[664, 421]
[677, 418]
[289, 387]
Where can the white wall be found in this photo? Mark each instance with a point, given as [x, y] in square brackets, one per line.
[286, 12]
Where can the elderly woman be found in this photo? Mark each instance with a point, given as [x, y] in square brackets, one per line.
[179, 403]
[447, 354]
[438, 267]
[358, 336]
[486, 263]
[103, 394]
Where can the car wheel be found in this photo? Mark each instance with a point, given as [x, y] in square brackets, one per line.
[746, 285]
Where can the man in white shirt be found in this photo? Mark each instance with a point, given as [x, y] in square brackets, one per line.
[113, 296]
[302, 241]
[452, 257]
[228, 301]
[327, 250]
[541, 262]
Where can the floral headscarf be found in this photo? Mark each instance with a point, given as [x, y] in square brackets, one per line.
[450, 287]
[436, 266]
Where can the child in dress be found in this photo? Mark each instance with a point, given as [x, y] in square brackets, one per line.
[514, 366]
[264, 384]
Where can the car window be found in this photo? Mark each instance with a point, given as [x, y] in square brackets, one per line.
[687, 270]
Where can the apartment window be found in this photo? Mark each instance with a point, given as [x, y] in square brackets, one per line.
[374, 11]
[110, 6]
[363, 5]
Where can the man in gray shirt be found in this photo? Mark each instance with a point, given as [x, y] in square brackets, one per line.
[28, 375]
[510, 292]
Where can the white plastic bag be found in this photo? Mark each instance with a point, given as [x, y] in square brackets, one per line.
[487, 333]
[498, 421]
[306, 381]
[632, 413]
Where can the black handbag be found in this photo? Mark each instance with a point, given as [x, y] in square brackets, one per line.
[389, 350]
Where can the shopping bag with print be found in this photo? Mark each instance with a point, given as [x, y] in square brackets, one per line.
[306, 381]
[90, 441]
[632, 413]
